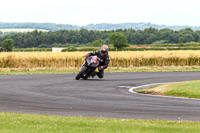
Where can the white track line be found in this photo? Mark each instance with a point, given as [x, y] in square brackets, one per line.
[132, 90]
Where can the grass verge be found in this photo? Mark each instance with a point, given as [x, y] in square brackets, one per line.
[27, 123]
[187, 89]
[6, 71]
[12, 72]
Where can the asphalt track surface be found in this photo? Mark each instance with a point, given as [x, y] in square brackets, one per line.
[61, 94]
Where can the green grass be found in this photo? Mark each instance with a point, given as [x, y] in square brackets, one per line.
[27, 123]
[54, 71]
[188, 89]
[12, 72]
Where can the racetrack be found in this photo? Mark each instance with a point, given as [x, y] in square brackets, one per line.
[61, 94]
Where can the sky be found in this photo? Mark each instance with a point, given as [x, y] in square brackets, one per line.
[83, 12]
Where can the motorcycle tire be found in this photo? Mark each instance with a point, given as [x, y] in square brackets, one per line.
[87, 75]
[80, 74]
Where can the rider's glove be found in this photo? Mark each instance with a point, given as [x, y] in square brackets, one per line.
[100, 67]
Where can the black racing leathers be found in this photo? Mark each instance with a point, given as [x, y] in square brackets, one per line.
[105, 58]
[105, 61]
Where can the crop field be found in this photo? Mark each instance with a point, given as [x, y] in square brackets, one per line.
[123, 59]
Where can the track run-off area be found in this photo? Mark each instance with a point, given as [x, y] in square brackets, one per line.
[61, 94]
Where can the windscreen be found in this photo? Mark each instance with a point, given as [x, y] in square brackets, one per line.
[92, 61]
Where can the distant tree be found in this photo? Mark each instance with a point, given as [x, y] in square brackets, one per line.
[159, 42]
[98, 43]
[83, 37]
[8, 45]
[43, 46]
[119, 40]
[181, 40]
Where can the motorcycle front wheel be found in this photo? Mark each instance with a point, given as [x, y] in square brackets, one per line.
[81, 72]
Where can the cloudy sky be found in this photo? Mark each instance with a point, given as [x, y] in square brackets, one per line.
[82, 12]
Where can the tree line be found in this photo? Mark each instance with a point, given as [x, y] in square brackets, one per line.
[84, 37]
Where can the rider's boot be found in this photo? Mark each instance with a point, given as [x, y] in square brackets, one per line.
[93, 74]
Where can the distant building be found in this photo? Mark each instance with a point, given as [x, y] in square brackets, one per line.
[56, 49]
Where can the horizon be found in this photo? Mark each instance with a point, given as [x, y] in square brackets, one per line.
[106, 23]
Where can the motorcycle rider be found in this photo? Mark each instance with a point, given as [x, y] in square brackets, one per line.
[103, 55]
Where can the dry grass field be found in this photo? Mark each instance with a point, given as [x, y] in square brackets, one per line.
[122, 59]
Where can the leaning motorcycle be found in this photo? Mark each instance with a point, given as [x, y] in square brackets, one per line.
[88, 67]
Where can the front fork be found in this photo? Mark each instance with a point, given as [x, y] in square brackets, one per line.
[82, 66]
[89, 71]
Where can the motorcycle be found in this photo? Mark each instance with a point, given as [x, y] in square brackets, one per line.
[88, 67]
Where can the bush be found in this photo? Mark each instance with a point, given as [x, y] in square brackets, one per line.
[8, 45]
[64, 50]
[31, 49]
[160, 42]
[71, 48]
[88, 49]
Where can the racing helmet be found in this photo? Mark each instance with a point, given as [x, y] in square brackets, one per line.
[104, 49]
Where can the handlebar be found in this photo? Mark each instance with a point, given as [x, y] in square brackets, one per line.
[86, 56]
[99, 59]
